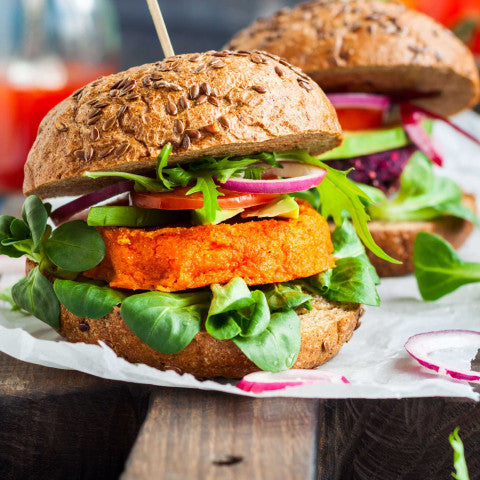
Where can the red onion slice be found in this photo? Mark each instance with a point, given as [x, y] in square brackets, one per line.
[436, 116]
[259, 382]
[411, 119]
[368, 101]
[71, 208]
[422, 345]
[301, 176]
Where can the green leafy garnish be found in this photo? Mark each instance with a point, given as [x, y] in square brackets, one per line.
[438, 268]
[35, 295]
[286, 296]
[166, 322]
[277, 347]
[210, 193]
[87, 299]
[75, 246]
[353, 279]
[339, 194]
[422, 196]
[142, 183]
[459, 462]
[6, 296]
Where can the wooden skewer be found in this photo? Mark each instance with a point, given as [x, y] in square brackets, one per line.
[160, 27]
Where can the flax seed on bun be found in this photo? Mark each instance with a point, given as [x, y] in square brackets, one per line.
[371, 46]
[214, 103]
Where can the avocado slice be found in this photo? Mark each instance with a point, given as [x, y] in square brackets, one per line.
[284, 207]
[365, 142]
[124, 216]
[199, 218]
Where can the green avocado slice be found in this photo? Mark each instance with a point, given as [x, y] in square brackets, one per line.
[366, 142]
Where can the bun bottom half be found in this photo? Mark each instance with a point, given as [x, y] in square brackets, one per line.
[398, 238]
[323, 332]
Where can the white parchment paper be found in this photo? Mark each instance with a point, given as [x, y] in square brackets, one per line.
[374, 361]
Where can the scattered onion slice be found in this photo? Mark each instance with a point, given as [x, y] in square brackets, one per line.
[259, 382]
[411, 119]
[422, 345]
[300, 176]
[436, 116]
[368, 101]
[71, 208]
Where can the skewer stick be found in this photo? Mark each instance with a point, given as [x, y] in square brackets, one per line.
[160, 27]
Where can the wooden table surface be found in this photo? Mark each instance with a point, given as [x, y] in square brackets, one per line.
[59, 424]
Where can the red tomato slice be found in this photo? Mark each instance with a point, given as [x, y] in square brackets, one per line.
[178, 200]
[359, 118]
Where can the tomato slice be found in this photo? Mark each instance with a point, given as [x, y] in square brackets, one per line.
[178, 200]
[359, 118]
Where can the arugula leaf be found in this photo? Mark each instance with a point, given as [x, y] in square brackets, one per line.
[338, 193]
[142, 183]
[277, 347]
[74, 246]
[162, 161]
[438, 268]
[165, 322]
[35, 216]
[35, 294]
[312, 196]
[459, 462]
[422, 196]
[285, 296]
[87, 299]
[210, 193]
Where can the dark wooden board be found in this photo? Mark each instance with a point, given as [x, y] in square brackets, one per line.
[57, 424]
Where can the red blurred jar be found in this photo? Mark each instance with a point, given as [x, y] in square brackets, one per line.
[48, 49]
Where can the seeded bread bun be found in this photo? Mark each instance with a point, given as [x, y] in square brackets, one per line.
[371, 46]
[214, 103]
[398, 238]
[323, 331]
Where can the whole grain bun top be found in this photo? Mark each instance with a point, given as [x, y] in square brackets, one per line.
[213, 103]
[371, 46]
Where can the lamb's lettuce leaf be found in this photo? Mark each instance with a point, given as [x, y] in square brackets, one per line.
[438, 268]
[422, 196]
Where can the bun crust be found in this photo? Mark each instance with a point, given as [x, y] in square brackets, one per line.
[214, 103]
[371, 46]
[398, 238]
[324, 330]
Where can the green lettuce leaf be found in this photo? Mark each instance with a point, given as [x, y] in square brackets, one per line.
[166, 322]
[438, 268]
[459, 462]
[286, 296]
[87, 299]
[422, 196]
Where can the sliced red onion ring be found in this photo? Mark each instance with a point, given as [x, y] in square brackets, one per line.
[301, 176]
[422, 345]
[71, 208]
[368, 101]
[411, 119]
[436, 116]
[259, 382]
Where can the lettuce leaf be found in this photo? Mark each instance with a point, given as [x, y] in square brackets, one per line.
[459, 462]
[438, 268]
[422, 196]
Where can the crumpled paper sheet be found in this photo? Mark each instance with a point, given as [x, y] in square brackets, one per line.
[374, 361]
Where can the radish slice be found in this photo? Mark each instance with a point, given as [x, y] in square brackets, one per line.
[436, 116]
[259, 382]
[301, 177]
[368, 101]
[411, 119]
[66, 211]
[422, 345]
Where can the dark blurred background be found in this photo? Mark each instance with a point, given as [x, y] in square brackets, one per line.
[194, 26]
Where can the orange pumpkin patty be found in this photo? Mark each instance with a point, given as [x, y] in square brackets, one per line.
[180, 258]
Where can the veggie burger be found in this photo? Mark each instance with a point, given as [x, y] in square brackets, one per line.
[388, 71]
[190, 245]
